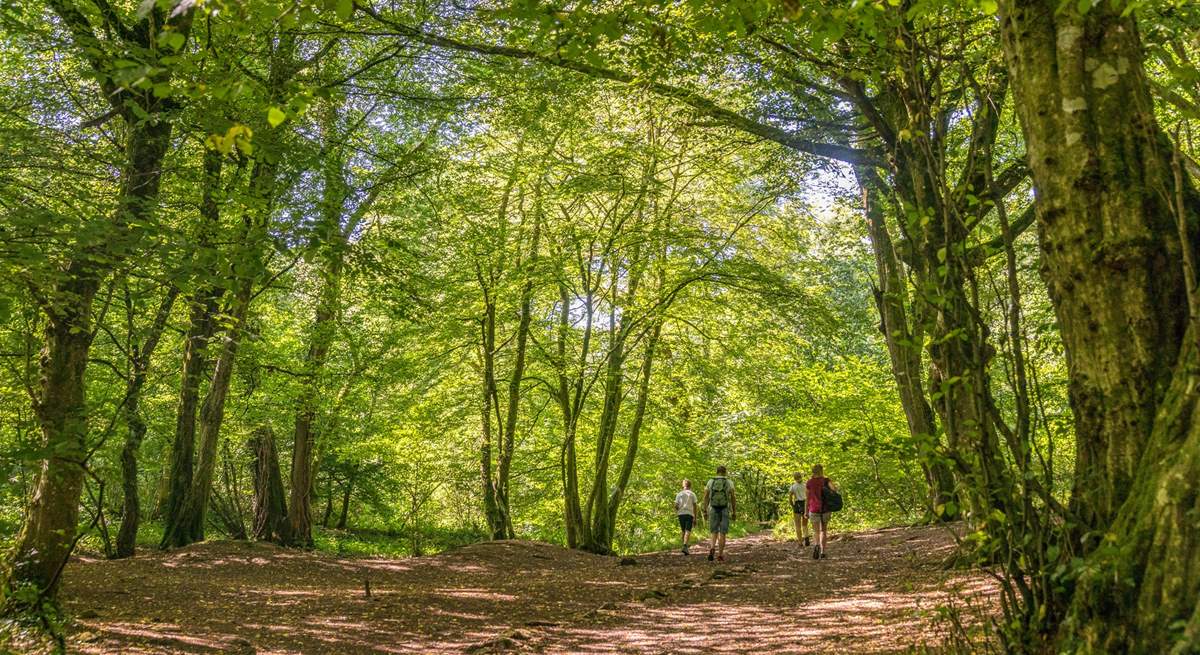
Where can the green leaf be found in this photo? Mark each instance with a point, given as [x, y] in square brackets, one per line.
[172, 40]
[988, 6]
[344, 9]
[275, 116]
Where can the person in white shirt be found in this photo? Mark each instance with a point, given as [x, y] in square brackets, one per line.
[685, 508]
[797, 496]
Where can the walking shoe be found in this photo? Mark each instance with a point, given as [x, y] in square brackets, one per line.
[822, 554]
[806, 542]
[685, 551]
[720, 558]
[816, 552]
[711, 552]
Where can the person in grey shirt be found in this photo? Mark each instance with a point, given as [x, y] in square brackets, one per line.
[721, 502]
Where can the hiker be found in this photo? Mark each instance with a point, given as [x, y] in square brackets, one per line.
[686, 505]
[722, 508]
[817, 516]
[798, 498]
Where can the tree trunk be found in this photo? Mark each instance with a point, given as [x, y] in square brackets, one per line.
[1118, 228]
[595, 511]
[507, 440]
[345, 513]
[507, 445]
[936, 242]
[226, 501]
[1101, 189]
[202, 325]
[47, 536]
[185, 519]
[570, 399]
[635, 431]
[491, 508]
[188, 524]
[328, 513]
[330, 242]
[270, 505]
[300, 509]
[136, 426]
[904, 350]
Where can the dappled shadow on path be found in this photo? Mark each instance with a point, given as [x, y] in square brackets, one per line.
[875, 593]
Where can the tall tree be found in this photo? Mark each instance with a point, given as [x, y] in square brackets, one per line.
[1118, 221]
[61, 407]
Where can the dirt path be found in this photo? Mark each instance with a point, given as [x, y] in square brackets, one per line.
[877, 592]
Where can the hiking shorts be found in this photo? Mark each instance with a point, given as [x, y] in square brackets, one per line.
[819, 518]
[718, 520]
[685, 522]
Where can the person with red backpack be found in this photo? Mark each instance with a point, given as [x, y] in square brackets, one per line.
[821, 496]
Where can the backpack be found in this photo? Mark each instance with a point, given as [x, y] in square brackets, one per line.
[718, 496]
[831, 500]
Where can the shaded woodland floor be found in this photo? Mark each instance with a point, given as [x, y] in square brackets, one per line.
[877, 592]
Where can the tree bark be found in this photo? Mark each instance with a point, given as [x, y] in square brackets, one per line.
[185, 518]
[187, 525]
[270, 504]
[135, 424]
[347, 491]
[491, 507]
[330, 242]
[202, 326]
[47, 535]
[1101, 190]
[595, 510]
[328, 513]
[635, 430]
[1117, 228]
[44, 542]
[570, 400]
[324, 326]
[904, 350]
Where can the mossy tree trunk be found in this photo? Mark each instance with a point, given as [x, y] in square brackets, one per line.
[48, 533]
[1118, 227]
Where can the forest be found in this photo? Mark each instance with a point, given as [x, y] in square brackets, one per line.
[339, 298]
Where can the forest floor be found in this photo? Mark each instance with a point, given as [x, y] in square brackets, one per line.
[878, 591]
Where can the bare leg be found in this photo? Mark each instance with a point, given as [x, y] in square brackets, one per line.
[804, 529]
[799, 520]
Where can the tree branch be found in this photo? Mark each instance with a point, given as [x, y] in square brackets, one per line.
[694, 100]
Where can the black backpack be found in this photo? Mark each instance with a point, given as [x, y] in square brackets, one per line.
[831, 500]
